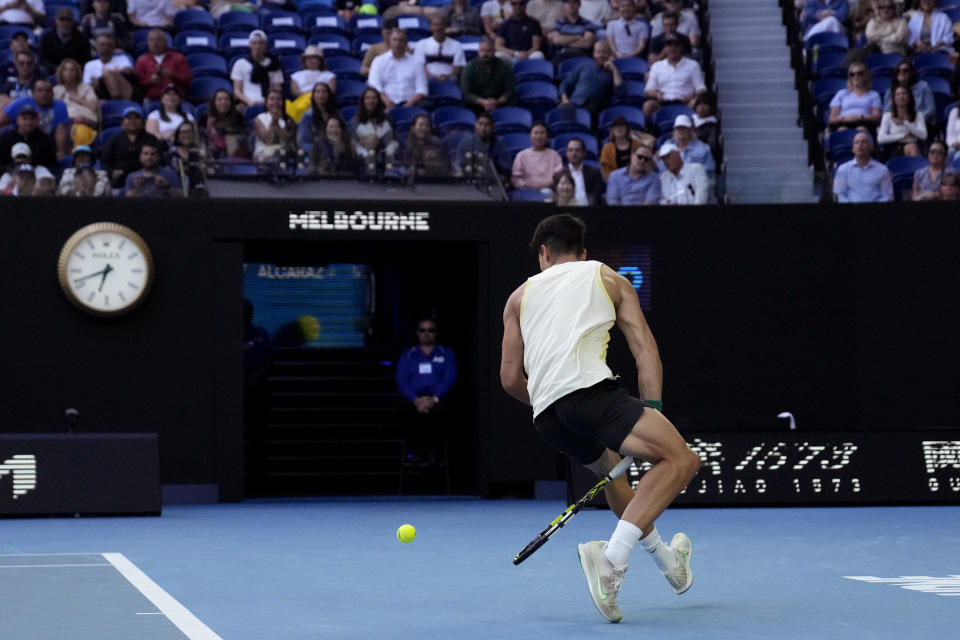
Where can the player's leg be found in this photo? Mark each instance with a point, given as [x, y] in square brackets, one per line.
[617, 492]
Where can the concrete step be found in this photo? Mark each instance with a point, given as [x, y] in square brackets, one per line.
[762, 145]
[741, 84]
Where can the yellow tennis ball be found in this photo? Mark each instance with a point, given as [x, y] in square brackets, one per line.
[406, 533]
[309, 327]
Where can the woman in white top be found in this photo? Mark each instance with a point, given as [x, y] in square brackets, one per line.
[887, 31]
[953, 135]
[274, 130]
[163, 122]
[930, 29]
[314, 71]
[903, 127]
[83, 106]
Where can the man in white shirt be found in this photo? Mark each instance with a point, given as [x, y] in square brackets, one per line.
[596, 11]
[547, 12]
[111, 73]
[24, 178]
[588, 186]
[674, 79]
[27, 12]
[681, 182]
[151, 13]
[688, 24]
[442, 57]
[250, 85]
[398, 76]
[493, 13]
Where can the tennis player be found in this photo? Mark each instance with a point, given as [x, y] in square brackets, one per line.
[555, 335]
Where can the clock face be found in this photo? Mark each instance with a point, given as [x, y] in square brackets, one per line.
[105, 268]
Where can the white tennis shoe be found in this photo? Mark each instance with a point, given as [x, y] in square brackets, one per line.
[681, 576]
[603, 579]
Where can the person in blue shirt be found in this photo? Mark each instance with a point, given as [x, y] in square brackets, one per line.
[52, 116]
[591, 86]
[152, 180]
[638, 183]
[863, 179]
[426, 374]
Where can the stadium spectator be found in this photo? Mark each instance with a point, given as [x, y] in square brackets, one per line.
[398, 75]
[220, 7]
[681, 182]
[822, 16]
[21, 84]
[187, 158]
[487, 82]
[858, 105]
[224, 128]
[588, 183]
[546, 12]
[637, 183]
[121, 154]
[254, 75]
[372, 129]
[926, 181]
[564, 193]
[462, 19]
[519, 36]
[859, 16]
[43, 152]
[25, 12]
[887, 31]
[52, 116]
[535, 166]
[863, 179]
[673, 80]
[168, 116]
[379, 48]
[151, 13]
[83, 106]
[333, 152]
[599, 12]
[950, 187]
[952, 135]
[492, 14]
[19, 41]
[616, 153]
[313, 123]
[687, 24]
[160, 66]
[111, 73]
[152, 180]
[314, 71]
[571, 36]
[930, 29]
[23, 178]
[83, 159]
[656, 50]
[903, 127]
[591, 86]
[64, 40]
[691, 148]
[105, 19]
[475, 149]
[628, 34]
[274, 131]
[442, 57]
[904, 74]
[426, 154]
[705, 124]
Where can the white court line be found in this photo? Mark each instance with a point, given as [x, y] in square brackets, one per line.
[47, 566]
[168, 605]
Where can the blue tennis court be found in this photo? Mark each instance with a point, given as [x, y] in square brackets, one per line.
[333, 568]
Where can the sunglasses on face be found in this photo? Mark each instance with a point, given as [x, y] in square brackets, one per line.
[426, 330]
[854, 74]
[640, 156]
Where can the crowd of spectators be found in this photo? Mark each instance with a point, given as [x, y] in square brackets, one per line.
[884, 75]
[138, 98]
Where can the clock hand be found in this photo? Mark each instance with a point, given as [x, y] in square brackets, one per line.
[106, 270]
[98, 273]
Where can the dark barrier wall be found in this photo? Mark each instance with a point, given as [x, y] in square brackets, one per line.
[845, 316]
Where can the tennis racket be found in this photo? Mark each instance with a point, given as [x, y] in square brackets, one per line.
[571, 511]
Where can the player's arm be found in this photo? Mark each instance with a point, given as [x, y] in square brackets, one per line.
[511, 355]
[635, 329]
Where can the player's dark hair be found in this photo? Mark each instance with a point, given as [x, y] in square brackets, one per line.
[562, 233]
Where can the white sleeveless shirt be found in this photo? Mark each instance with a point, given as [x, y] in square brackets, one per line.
[565, 320]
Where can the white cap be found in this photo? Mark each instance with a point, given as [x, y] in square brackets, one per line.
[21, 149]
[667, 148]
[257, 33]
[683, 121]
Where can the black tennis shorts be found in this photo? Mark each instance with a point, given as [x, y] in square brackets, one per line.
[583, 423]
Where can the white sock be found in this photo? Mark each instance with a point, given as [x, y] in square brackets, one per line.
[621, 543]
[661, 553]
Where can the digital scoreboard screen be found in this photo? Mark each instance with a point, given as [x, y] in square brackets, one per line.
[634, 262]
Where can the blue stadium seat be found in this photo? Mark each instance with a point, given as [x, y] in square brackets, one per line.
[234, 43]
[305, 6]
[284, 42]
[345, 67]
[515, 143]
[104, 136]
[470, 44]
[239, 169]
[559, 144]
[831, 63]
[111, 111]
[348, 112]
[363, 24]
[417, 27]
[568, 118]
[632, 68]
[435, 3]
[631, 94]
[328, 24]
[188, 42]
[528, 70]
[938, 84]
[537, 97]
[840, 146]
[823, 42]
[194, 20]
[826, 88]
[527, 195]
[511, 120]
[362, 43]
[881, 84]
[251, 112]
[444, 94]
[7, 31]
[404, 116]
[933, 64]
[278, 21]
[208, 64]
[944, 112]
[634, 116]
[202, 88]
[331, 43]
[901, 170]
[291, 63]
[568, 65]
[665, 115]
[349, 92]
[237, 21]
[51, 9]
[882, 64]
[447, 119]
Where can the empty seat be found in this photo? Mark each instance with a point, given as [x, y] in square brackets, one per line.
[632, 93]
[444, 94]
[237, 21]
[285, 42]
[829, 41]
[275, 21]
[188, 42]
[537, 97]
[417, 27]
[331, 43]
[883, 64]
[632, 68]
[933, 64]
[208, 64]
[665, 115]
[203, 88]
[345, 67]
[194, 19]
[447, 119]
[568, 118]
[511, 120]
[568, 65]
[634, 117]
[361, 23]
[349, 92]
[328, 24]
[527, 70]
